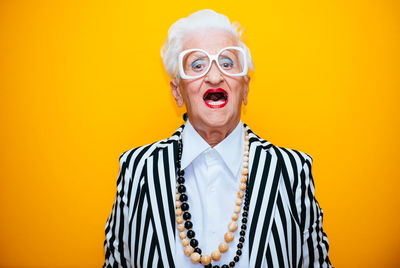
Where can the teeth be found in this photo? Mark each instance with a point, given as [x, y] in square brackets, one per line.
[216, 102]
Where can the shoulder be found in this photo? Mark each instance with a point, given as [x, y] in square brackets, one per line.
[132, 157]
[133, 160]
[292, 157]
[292, 161]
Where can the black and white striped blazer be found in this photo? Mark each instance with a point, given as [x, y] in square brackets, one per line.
[285, 220]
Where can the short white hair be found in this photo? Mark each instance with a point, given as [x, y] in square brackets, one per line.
[202, 19]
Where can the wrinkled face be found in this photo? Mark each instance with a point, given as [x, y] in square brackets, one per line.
[214, 100]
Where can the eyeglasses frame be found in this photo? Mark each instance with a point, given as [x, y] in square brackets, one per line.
[212, 58]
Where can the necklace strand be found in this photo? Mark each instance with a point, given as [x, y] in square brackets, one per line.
[190, 244]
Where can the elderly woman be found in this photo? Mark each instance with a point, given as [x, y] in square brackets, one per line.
[214, 194]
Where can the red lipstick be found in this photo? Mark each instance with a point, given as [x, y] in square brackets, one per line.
[215, 98]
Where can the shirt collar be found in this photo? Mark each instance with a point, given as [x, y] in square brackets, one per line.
[230, 149]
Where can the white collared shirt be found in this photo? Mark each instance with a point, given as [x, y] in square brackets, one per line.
[212, 178]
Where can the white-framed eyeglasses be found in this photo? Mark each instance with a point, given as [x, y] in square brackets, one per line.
[195, 63]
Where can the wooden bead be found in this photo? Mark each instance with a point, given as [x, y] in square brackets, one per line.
[246, 148]
[246, 153]
[178, 211]
[245, 171]
[195, 257]
[223, 247]
[205, 259]
[246, 159]
[179, 219]
[177, 197]
[178, 204]
[181, 227]
[246, 142]
[235, 216]
[188, 250]
[243, 179]
[236, 209]
[238, 201]
[232, 226]
[245, 164]
[242, 186]
[216, 255]
[185, 242]
[182, 235]
[246, 137]
[229, 237]
[240, 193]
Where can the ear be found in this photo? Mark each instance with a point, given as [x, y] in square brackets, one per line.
[176, 91]
[246, 88]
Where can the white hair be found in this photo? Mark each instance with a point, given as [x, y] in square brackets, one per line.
[202, 19]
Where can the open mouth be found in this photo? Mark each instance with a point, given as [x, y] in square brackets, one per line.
[215, 98]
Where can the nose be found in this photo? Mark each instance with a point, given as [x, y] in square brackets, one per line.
[214, 75]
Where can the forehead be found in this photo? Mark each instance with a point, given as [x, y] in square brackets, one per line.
[211, 40]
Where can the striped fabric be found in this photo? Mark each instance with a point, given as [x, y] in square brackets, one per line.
[285, 220]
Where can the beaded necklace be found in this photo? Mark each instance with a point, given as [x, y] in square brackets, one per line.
[191, 248]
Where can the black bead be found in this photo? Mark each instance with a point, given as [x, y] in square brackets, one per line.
[244, 226]
[216, 266]
[181, 180]
[185, 206]
[194, 243]
[188, 225]
[198, 250]
[246, 199]
[183, 198]
[246, 203]
[181, 172]
[232, 264]
[191, 233]
[208, 266]
[246, 208]
[224, 266]
[236, 258]
[186, 216]
[240, 245]
[244, 220]
[242, 233]
[181, 188]
[245, 214]
[241, 239]
[238, 252]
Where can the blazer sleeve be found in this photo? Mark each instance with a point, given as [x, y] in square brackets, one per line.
[116, 229]
[315, 245]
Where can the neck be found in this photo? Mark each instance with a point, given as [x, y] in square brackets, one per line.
[214, 135]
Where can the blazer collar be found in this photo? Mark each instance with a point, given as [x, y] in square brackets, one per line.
[264, 174]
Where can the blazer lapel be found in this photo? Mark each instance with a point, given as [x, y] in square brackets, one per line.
[265, 171]
[160, 180]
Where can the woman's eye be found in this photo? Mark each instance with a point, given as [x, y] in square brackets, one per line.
[226, 63]
[197, 65]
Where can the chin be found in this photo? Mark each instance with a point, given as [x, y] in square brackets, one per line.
[218, 121]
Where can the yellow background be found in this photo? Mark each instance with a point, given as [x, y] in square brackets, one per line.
[82, 81]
